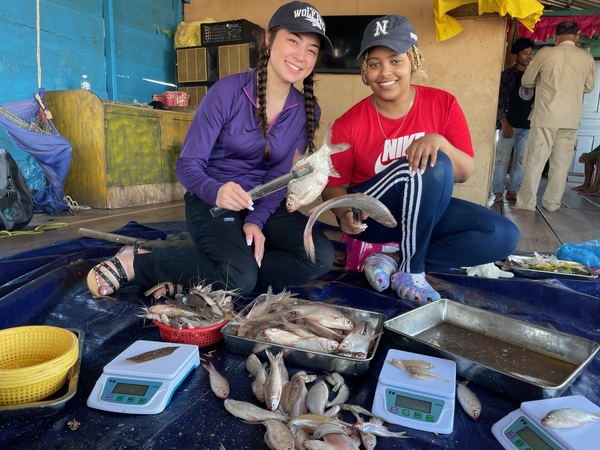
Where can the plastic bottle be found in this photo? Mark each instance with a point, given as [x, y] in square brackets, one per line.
[85, 84]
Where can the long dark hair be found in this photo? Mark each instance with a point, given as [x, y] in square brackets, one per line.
[310, 100]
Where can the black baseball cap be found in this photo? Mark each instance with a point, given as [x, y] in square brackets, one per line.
[301, 17]
[392, 31]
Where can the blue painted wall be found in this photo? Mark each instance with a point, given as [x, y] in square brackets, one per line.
[119, 44]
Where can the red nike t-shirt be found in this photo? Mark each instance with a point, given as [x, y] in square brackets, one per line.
[433, 111]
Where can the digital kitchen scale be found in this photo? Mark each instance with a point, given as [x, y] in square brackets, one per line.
[143, 387]
[422, 404]
[522, 429]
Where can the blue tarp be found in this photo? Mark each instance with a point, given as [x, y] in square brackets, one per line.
[37, 136]
[49, 288]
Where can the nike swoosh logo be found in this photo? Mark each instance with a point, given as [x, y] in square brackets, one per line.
[379, 166]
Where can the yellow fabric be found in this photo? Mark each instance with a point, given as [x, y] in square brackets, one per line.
[188, 34]
[528, 12]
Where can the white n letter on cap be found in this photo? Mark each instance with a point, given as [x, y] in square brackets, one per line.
[381, 28]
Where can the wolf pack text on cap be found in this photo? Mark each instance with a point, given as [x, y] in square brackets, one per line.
[301, 17]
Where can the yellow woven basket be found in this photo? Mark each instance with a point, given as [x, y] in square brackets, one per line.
[34, 362]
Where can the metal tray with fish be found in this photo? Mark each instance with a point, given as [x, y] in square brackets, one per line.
[548, 266]
[344, 365]
[519, 359]
[56, 401]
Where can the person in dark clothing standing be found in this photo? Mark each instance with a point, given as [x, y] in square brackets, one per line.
[514, 105]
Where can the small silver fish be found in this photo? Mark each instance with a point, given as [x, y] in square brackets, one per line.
[378, 430]
[417, 363]
[568, 418]
[218, 383]
[258, 384]
[305, 190]
[317, 398]
[423, 374]
[250, 412]
[274, 385]
[367, 204]
[253, 364]
[278, 435]
[468, 400]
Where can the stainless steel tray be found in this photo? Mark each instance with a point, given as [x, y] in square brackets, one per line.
[343, 365]
[56, 401]
[511, 356]
[515, 262]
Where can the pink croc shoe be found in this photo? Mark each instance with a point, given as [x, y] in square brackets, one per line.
[414, 287]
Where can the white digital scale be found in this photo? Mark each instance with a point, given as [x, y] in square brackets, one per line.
[422, 404]
[143, 387]
[522, 429]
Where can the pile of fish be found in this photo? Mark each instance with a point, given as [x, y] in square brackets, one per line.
[199, 308]
[298, 411]
[284, 320]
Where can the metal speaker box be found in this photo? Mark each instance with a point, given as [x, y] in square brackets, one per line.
[230, 32]
[237, 58]
[196, 64]
[197, 93]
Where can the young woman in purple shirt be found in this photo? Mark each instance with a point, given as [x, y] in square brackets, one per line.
[245, 133]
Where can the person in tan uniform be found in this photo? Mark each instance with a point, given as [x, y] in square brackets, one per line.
[560, 75]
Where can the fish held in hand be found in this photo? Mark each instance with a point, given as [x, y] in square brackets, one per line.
[568, 418]
[370, 206]
[305, 190]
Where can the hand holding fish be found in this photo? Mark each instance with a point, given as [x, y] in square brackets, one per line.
[254, 235]
[232, 196]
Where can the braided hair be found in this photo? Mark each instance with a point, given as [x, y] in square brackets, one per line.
[310, 100]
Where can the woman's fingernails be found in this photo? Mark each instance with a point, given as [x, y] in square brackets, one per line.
[249, 242]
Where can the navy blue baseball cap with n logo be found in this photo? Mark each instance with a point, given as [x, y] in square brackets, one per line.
[392, 31]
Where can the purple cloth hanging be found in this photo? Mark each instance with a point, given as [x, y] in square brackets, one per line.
[51, 150]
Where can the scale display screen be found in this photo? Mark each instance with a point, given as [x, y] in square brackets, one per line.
[130, 389]
[524, 434]
[533, 440]
[413, 403]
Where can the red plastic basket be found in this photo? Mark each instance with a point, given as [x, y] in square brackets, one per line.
[202, 337]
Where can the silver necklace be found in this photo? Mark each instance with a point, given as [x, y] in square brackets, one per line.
[400, 127]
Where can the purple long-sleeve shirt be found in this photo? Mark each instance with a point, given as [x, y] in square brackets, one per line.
[224, 143]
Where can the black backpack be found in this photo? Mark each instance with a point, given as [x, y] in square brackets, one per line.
[16, 202]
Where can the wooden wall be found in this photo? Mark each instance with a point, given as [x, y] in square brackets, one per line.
[121, 46]
[467, 65]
